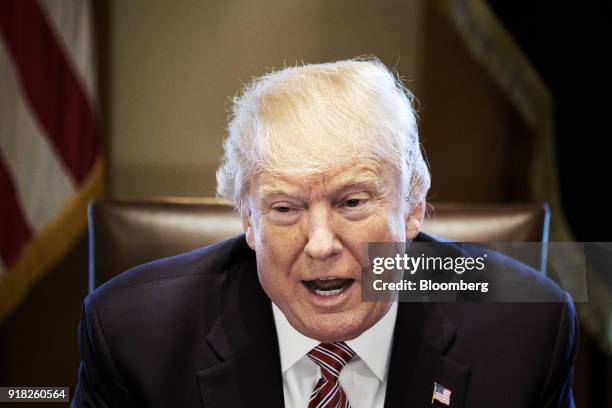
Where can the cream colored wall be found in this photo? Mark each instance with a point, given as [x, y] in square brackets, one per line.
[174, 64]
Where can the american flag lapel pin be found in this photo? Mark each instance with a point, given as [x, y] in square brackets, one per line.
[441, 394]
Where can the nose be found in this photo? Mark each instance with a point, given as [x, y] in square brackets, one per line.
[323, 241]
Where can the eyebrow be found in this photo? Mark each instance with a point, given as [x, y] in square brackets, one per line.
[367, 179]
[266, 191]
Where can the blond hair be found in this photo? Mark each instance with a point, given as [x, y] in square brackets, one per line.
[307, 119]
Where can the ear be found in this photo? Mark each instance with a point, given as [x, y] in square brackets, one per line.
[247, 226]
[414, 220]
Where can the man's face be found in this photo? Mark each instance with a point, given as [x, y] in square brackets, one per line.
[307, 234]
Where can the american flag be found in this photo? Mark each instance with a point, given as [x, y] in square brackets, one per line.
[441, 394]
[50, 163]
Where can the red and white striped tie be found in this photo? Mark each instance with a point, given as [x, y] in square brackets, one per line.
[331, 357]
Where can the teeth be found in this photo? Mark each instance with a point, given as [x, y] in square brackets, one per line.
[327, 292]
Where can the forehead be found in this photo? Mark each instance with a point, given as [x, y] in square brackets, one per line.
[369, 176]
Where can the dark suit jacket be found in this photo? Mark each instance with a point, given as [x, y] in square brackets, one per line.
[197, 330]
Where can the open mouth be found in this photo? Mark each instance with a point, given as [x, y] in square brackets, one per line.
[329, 286]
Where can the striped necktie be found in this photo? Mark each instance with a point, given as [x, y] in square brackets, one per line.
[331, 357]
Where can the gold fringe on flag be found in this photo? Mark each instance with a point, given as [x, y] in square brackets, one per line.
[51, 244]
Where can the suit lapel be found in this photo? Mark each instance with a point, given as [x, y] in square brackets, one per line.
[243, 363]
[422, 339]
[243, 347]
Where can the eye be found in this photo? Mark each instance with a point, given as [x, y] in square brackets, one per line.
[354, 202]
[284, 207]
[284, 213]
[356, 206]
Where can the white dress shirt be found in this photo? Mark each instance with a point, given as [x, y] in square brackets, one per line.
[364, 378]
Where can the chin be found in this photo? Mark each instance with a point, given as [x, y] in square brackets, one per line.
[342, 328]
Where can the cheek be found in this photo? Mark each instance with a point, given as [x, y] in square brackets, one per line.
[277, 249]
[380, 228]
[280, 243]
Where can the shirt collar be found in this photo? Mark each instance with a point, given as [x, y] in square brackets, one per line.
[373, 346]
[293, 344]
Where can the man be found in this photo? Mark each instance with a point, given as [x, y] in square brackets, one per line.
[319, 159]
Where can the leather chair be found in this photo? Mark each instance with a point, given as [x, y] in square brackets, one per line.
[126, 233]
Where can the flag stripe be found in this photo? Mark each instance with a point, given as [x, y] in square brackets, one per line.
[71, 20]
[52, 89]
[41, 182]
[11, 219]
[50, 166]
